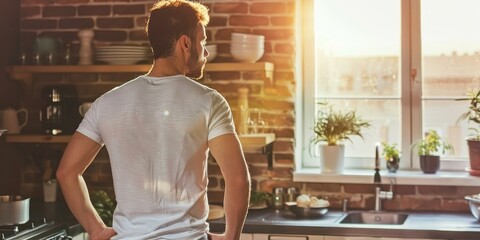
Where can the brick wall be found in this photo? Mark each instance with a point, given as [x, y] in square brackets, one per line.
[123, 22]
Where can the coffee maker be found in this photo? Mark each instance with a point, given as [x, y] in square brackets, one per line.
[59, 114]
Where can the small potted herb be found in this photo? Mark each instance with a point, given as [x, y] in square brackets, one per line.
[391, 154]
[472, 115]
[428, 150]
[259, 199]
[333, 128]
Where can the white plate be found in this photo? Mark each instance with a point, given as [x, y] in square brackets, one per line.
[258, 207]
[120, 61]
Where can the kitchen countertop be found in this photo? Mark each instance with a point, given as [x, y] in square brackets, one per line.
[417, 225]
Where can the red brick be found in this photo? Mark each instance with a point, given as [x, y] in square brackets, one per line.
[115, 1]
[115, 22]
[65, 36]
[34, 2]
[284, 132]
[285, 48]
[217, 21]
[282, 120]
[224, 75]
[39, 24]
[226, 33]
[141, 22]
[268, 8]
[323, 187]
[215, 196]
[284, 76]
[359, 188]
[284, 159]
[110, 35]
[282, 21]
[256, 158]
[269, 185]
[404, 190]
[71, 1]
[131, 9]
[283, 146]
[280, 91]
[138, 35]
[437, 190]
[59, 11]
[212, 182]
[230, 8]
[214, 169]
[78, 23]
[276, 34]
[278, 104]
[245, 20]
[94, 10]
[455, 205]
[30, 11]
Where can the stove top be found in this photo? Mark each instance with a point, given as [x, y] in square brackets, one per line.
[35, 229]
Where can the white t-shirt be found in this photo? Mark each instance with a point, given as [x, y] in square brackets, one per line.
[156, 132]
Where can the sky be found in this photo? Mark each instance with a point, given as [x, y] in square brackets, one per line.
[372, 27]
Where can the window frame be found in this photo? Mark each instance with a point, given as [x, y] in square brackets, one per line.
[411, 89]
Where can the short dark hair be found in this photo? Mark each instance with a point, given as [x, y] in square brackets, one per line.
[169, 20]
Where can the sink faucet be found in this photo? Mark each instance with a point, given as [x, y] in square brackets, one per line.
[377, 180]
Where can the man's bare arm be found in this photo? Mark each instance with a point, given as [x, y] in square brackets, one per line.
[227, 151]
[78, 155]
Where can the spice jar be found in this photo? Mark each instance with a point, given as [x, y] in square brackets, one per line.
[278, 198]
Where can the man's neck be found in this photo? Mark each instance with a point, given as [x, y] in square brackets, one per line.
[163, 67]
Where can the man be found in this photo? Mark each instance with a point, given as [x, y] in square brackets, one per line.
[158, 130]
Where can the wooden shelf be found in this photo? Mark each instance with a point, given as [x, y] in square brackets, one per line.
[25, 72]
[249, 140]
[29, 138]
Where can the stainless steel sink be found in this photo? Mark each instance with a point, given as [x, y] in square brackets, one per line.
[375, 218]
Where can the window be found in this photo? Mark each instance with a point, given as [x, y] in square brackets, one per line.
[400, 63]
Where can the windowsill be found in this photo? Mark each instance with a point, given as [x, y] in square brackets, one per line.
[401, 177]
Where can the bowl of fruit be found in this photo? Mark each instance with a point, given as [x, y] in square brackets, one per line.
[308, 206]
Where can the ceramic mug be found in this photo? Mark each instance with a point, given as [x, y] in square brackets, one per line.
[9, 120]
[83, 108]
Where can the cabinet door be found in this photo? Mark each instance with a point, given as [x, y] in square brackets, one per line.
[285, 237]
[80, 236]
[371, 238]
[246, 236]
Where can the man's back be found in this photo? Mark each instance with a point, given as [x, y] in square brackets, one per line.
[156, 132]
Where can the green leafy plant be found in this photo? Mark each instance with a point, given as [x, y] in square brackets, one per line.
[432, 144]
[473, 112]
[390, 152]
[336, 126]
[258, 198]
[104, 206]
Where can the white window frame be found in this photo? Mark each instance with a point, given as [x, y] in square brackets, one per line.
[411, 116]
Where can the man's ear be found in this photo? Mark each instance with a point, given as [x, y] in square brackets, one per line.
[185, 43]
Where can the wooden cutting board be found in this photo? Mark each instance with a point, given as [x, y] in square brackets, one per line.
[216, 212]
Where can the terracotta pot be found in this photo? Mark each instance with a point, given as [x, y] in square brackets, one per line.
[474, 154]
[429, 164]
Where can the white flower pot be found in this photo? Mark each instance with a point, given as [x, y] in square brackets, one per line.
[331, 158]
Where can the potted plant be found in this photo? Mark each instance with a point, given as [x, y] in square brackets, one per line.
[473, 141]
[332, 128]
[259, 199]
[391, 154]
[428, 150]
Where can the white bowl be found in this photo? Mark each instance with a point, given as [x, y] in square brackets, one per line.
[211, 56]
[244, 36]
[247, 55]
[247, 46]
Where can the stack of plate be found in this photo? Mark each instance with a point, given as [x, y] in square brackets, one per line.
[122, 54]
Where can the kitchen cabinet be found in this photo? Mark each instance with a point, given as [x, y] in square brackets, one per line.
[246, 236]
[285, 237]
[370, 238]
